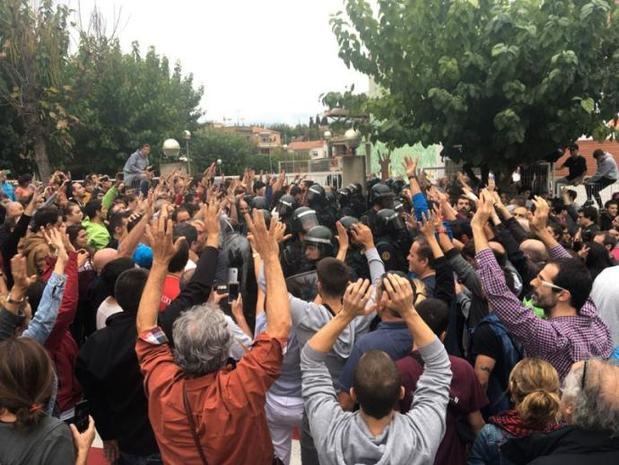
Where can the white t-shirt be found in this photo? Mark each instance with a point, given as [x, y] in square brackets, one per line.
[107, 308]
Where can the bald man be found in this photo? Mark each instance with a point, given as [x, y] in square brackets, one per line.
[102, 258]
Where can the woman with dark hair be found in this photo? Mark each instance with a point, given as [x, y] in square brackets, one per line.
[597, 258]
[27, 434]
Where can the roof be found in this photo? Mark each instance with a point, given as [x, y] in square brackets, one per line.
[299, 146]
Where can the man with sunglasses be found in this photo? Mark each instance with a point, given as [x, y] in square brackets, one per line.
[573, 330]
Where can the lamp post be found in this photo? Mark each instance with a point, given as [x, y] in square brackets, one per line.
[327, 135]
[187, 137]
[171, 148]
[285, 147]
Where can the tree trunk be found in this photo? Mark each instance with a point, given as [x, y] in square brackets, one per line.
[40, 156]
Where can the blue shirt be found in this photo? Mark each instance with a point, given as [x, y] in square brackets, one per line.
[392, 337]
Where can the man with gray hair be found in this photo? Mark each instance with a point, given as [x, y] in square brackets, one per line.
[590, 407]
[201, 410]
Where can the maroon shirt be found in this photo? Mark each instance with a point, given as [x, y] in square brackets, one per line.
[465, 396]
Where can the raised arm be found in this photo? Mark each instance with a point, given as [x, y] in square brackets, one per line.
[45, 318]
[321, 403]
[361, 234]
[277, 304]
[427, 414]
[160, 236]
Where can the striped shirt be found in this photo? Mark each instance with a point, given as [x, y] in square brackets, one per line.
[561, 341]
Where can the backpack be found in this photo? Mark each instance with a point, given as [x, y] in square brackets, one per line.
[512, 354]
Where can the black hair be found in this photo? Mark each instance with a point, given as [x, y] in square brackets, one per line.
[574, 276]
[425, 251]
[117, 220]
[92, 207]
[333, 276]
[128, 289]
[44, 217]
[186, 230]
[73, 231]
[435, 313]
[597, 259]
[66, 211]
[177, 211]
[377, 384]
[590, 213]
[180, 258]
[111, 272]
[24, 179]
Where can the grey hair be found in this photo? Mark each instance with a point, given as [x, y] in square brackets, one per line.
[201, 340]
[596, 406]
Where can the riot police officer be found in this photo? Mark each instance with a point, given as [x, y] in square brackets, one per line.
[392, 239]
[317, 244]
[355, 258]
[316, 198]
[292, 254]
[357, 201]
[380, 197]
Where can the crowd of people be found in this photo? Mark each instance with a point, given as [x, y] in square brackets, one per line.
[207, 320]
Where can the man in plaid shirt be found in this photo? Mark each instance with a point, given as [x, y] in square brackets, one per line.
[573, 330]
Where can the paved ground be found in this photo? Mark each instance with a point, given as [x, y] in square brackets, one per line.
[96, 453]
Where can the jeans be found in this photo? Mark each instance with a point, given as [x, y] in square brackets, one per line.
[594, 188]
[130, 459]
[309, 455]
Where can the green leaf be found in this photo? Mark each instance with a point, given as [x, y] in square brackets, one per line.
[588, 105]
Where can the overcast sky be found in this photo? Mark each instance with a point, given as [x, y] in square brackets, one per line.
[259, 61]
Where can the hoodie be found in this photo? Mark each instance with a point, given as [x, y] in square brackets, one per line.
[342, 438]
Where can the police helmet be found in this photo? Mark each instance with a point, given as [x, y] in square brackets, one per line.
[286, 206]
[382, 195]
[315, 196]
[259, 203]
[303, 219]
[387, 222]
[322, 238]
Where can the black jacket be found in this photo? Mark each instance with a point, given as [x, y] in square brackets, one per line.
[566, 446]
[108, 369]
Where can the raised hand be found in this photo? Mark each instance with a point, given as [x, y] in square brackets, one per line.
[159, 236]
[539, 221]
[212, 212]
[264, 240]
[356, 298]
[280, 231]
[410, 165]
[56, 240]
[485, 208]
[400, 295]
[19, 270]
[361, 234]
[342, 236]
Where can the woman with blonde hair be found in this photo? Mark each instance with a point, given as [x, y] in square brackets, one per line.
[534, 387]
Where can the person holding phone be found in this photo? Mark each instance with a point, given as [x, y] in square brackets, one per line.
[27, 434]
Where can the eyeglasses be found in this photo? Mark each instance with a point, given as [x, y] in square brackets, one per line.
[552, 286]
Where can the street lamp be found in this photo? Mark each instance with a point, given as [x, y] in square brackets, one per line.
[327, 135]
[171, 148]
[187, 137]
[285, 147]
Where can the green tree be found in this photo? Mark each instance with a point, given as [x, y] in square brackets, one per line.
[33, 52]
[235, 151]
[497, 83]
[124, 100]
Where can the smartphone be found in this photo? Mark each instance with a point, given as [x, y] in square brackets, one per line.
[233, 292]
[80, 417]
[221, 289]
[233, 275]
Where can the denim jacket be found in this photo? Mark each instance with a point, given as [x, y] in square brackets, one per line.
[486, 448]
[43, 322]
